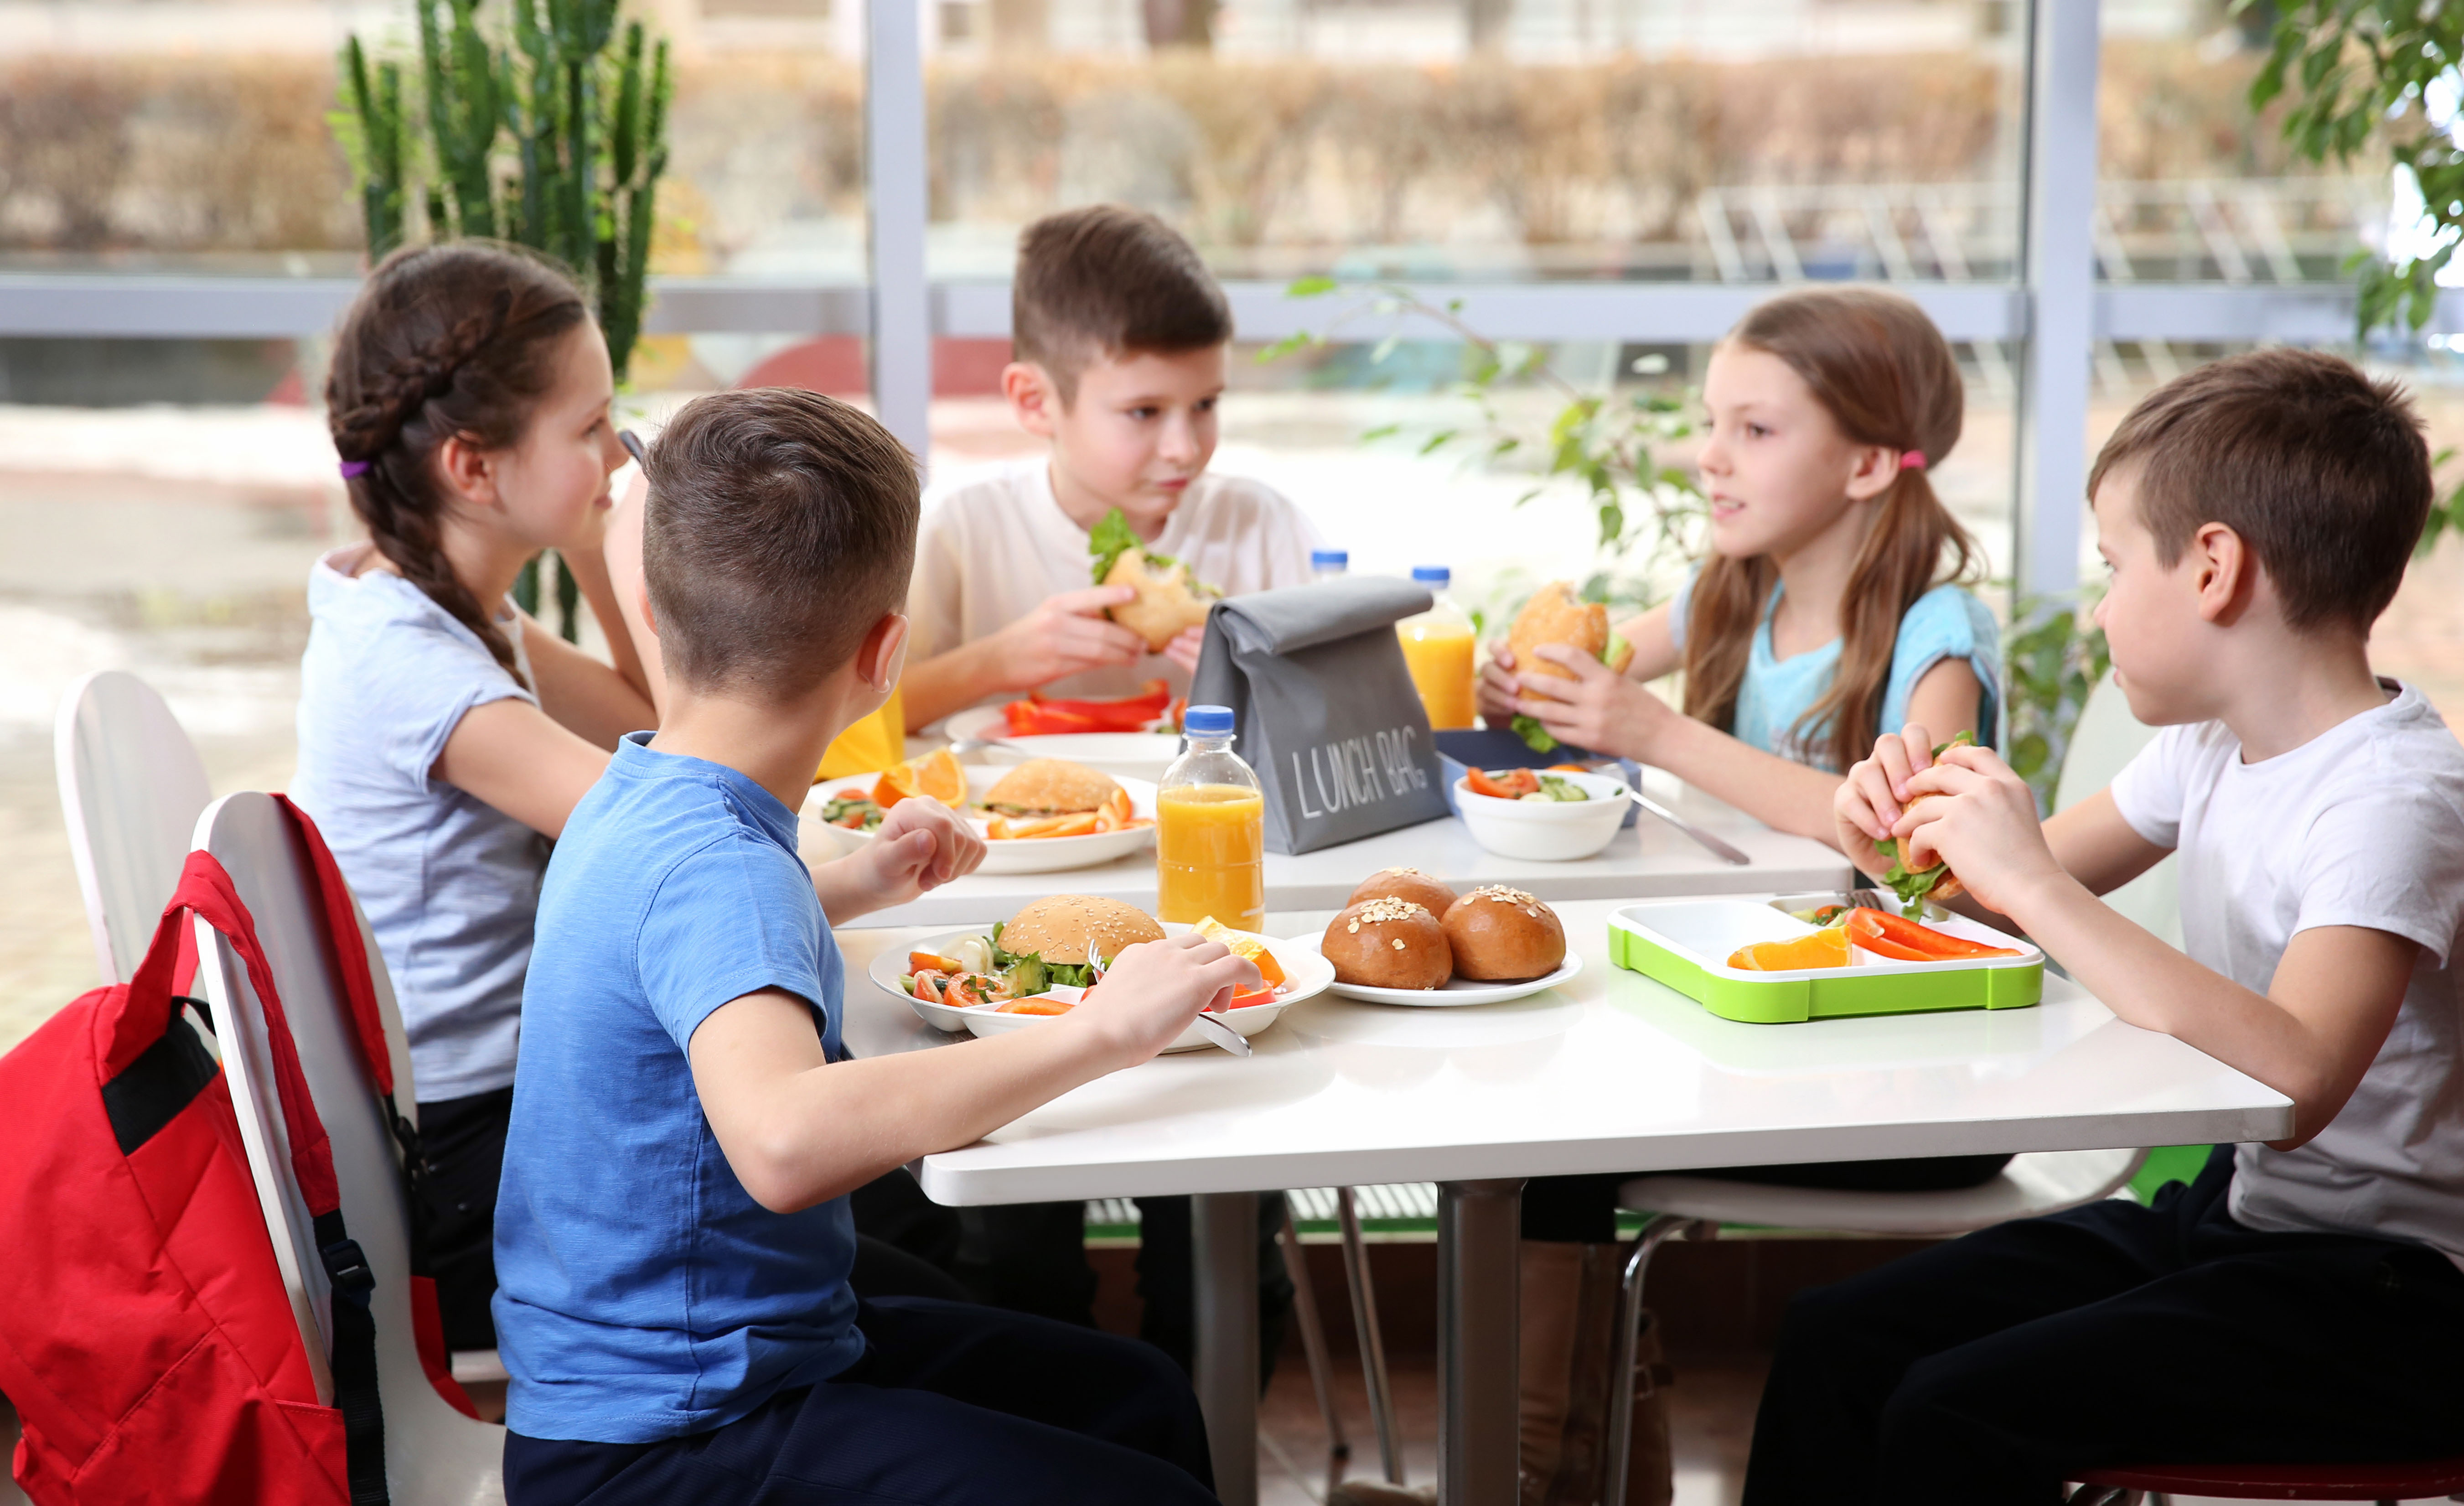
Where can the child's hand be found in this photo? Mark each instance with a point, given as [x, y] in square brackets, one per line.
[1876, 792]
[1498, 685]
[1065, 635]
[1155, 988]
[1598, 709]
[921, 845]
[1983, 822]
[1183, 650]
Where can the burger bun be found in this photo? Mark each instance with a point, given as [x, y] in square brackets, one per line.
[1405, 883]
[1057, 928]
[1501, 935]
[1388, 942]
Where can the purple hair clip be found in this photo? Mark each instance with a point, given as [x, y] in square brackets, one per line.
[352, 468]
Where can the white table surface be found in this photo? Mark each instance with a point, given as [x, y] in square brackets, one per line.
[1650, 860]
[1610, 1073]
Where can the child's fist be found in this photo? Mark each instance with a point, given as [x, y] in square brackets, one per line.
[1876, 792]
[1982, 820]
[1155, 988]
[922, 845]
[1064, 635]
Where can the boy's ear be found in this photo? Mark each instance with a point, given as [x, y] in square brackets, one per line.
[649, 614]
[1033, 400]
[2224, 571]
[881, 657]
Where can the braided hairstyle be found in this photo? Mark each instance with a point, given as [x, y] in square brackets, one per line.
[458, 341]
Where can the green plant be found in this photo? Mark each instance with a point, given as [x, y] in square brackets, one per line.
[520, 131]
[1647, 513]
[2052, 654]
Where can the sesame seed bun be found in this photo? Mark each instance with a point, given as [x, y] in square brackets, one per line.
[1050, 787]
[1388, 942]
[1057, 928]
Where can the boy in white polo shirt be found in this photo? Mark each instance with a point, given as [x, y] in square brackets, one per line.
[2301, 1302]
[1121, 337]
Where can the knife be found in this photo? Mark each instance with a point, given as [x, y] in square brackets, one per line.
[1712, 844]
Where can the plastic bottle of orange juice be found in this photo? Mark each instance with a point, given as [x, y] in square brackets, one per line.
[1210, 830]
[1437, 650]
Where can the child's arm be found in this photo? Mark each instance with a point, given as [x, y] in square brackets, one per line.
[1064, 635]
[2310, 1036]
[798, 1130]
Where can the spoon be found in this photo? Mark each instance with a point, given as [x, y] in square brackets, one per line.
[1215, 1030]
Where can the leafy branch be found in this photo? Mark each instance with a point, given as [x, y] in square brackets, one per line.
[1606, 442]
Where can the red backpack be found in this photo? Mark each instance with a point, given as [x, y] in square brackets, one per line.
[146, 1337]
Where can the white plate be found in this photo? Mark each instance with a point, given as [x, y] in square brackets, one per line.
[1456, 991]
[1123, 755]
[1048, 854]
[1306, 975]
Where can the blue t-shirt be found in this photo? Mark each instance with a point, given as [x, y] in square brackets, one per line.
[449, 883]
[642, 1294]
[1944, 623]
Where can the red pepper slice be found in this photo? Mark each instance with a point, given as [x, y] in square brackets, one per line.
[1898, 937]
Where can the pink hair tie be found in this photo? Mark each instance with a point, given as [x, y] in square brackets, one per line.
[1912, 460]
[352, 468]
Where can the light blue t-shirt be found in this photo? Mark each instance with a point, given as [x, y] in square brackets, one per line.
[1944, 623]
[642, 1294]
[449, 883]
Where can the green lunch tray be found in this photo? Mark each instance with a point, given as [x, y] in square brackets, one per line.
[1685, 943]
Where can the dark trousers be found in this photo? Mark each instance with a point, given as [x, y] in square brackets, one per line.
[952, 1404]
[1582, 1209]
[464, 1141]
[1985, 1370]
[1031, 1257]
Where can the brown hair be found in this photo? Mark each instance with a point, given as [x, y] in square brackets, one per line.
[443, 341]
[780, 526]
[2322, 472]
[1109, 281]
[1886, 376]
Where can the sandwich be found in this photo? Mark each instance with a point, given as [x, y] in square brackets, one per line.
[1048, 797]
[1936, 883]
[1169, 601]
[1554, 615]
[1059, 929]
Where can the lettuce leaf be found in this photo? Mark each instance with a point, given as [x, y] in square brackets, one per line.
[1912, 887]
[1112, 537]
[1610, 650]
[1534, 735]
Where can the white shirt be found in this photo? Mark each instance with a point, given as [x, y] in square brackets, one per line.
[992, 550]
[450, 884]
[2362, 825]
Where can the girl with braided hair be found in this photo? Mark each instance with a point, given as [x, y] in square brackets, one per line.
[442, 735]
[445, 736]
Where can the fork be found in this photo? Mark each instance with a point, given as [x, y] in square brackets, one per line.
[1215, 1030]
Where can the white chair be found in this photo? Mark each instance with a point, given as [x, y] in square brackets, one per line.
[434, 1455]
[131, 785]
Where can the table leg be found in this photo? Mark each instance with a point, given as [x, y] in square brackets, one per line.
[1224, 1240]
[1478, 1291]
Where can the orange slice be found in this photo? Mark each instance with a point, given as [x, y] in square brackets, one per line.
[936, 775]
[1825, 948]
[1244, 944]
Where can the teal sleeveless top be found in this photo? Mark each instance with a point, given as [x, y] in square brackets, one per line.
[1944, 623]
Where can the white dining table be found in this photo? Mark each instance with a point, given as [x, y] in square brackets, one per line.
[1647, 861]
[1608, 1072]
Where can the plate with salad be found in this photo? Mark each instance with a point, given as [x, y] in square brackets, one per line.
[1115, 821]
[971, 981]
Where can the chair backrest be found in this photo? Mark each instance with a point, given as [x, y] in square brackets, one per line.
[2108, 738]
[131, 785]
[434, 1453]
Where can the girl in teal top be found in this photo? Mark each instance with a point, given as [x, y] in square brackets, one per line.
[1825, 614]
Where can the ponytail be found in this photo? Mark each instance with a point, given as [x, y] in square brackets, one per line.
[446, 341]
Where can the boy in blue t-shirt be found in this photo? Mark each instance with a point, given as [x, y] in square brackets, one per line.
[672, 1236]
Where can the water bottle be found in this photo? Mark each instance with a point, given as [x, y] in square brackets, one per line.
[1211, 829]
[1328, 565]
[1438, 647]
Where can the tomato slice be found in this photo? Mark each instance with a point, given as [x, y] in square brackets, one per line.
[1504, 783]
[929, 961]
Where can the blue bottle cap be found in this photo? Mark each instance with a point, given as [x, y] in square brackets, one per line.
[1207, 721]
[1330, 560]
[1432, 574]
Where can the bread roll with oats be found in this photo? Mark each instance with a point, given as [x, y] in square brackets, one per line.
[1501, 935]
[1405, 883]
[1167, 604]
[1553, 616]
[1388, 942]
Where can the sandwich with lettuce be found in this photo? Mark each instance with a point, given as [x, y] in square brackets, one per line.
[1169, 601]
[1555, 614]
[1936, 883]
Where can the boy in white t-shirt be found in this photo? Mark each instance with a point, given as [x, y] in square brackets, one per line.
[1120, 336]
[2301, 1301]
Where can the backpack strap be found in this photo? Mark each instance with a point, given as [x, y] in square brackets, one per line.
[205, 892]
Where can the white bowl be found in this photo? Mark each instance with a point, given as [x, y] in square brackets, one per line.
[1307, 975]
[1123, 755]
[1544, 831]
